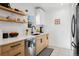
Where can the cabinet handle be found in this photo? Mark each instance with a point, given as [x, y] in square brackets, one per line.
[47, 37]
[41, 40]
[17, 54]
[15, 45]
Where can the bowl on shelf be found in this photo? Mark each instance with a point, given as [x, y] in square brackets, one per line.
[13, 34]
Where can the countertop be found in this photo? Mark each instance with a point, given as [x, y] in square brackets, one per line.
[11, 40]
[15, 39]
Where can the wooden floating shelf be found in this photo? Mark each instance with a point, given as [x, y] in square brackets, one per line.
[9, 20]
[12, 10]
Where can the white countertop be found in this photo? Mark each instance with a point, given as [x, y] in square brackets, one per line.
[11, 40]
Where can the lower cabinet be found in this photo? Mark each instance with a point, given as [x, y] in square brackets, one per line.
[46, 40]
[38, 44]
[13, 49]
[41, 43]
[5, 54]
[18, 48]
[18, 52]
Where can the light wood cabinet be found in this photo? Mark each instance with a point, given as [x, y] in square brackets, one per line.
[46, 40]
[0, 50]
[41, 43]
[17, 52]
[13, 49]
[38, 44]
[5, 54]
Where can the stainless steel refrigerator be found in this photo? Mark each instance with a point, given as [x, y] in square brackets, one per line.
[75, 31]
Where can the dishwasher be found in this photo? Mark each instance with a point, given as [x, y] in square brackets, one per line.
[30, 46]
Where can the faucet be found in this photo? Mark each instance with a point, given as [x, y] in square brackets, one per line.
[33, 28]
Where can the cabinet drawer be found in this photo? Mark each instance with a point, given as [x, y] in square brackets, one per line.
[5, 54]
[15, 45]
[17, 52]
[0, 50]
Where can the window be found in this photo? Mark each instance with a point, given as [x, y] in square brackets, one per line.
[37, 19]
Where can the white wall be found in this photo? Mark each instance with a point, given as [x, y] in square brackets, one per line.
[24, 6]
[60, 35]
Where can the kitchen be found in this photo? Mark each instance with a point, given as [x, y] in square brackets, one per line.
[36, 29]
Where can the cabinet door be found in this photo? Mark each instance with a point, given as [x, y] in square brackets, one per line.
[38, 45]
[41, 43]
[0, 50]
[46, 40]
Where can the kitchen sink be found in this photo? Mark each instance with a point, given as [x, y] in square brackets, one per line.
[36, 34]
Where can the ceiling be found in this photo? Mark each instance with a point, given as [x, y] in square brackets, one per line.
[51, 6]
[48, 7]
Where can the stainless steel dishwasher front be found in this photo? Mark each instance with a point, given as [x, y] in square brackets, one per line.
[30, 46]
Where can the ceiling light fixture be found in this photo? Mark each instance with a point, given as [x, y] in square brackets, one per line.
[40, 8]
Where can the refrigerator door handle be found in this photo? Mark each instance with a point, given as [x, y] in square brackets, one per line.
[74, 45]
[73, 26]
